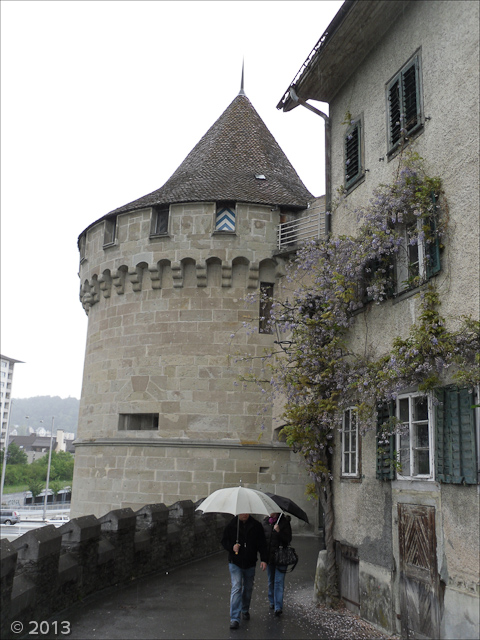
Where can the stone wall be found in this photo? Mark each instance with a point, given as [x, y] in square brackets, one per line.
[48, 569]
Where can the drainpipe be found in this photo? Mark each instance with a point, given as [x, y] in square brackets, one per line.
[328, 167]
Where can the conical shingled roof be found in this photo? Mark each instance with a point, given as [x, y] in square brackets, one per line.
[223, 166]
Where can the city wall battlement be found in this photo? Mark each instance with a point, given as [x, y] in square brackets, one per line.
[49, 569]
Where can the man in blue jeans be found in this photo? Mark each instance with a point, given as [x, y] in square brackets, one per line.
[244, 539]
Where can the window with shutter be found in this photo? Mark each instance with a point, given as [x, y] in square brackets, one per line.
[225, 216]
[404, 102]
[456, 442]
[385, 443]
[432, 249]
[354, 169]
[414, 439]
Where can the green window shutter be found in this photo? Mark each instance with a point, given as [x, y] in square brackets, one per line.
[353, 157]
[411, 97]
[456, 451]
[394, 122]
[385, 444]
[433, 248]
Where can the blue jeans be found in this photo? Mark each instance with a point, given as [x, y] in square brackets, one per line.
[276, 584]
[242, 588]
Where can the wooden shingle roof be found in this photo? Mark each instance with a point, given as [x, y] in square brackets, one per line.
[225, 163]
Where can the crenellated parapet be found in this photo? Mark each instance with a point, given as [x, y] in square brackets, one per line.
[170, 273]
[48, 570]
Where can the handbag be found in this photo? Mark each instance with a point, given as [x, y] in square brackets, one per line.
[284, 557]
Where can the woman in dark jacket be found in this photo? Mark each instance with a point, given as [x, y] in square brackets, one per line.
[278, 533]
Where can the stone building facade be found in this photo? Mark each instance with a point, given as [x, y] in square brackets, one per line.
[408, 546]
[165, 280]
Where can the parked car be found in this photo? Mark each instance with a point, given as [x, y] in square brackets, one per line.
[58, 520]
[9, 517]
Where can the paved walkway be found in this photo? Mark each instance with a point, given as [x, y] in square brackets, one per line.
[192, 603]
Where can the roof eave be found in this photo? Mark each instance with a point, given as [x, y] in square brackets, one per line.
[356, 29]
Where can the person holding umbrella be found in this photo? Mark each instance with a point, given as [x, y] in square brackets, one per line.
[278, 533]
[244, 539]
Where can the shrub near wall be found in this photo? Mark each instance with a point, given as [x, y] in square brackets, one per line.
[48, 570]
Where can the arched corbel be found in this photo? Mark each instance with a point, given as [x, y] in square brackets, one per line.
[177, 275]
[226, 273]
[118, 279]
[155, 272]
[253, 273]
[201, 271]
[105, 283]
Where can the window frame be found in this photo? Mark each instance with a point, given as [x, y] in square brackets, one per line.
[428, 258]
[158, 213]
[403, 263]
[350, 411]
[110, 232]
[356, 125]
[405, 132]
[411, 433]
[231, 205]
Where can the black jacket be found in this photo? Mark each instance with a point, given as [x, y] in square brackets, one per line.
[277, 539]
[251, 539]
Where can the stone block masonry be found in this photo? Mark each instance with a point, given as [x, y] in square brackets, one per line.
[47, 569]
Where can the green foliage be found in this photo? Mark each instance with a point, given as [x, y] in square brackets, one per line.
[36, 486]
[15, 455]
[55, 486]
[61, 470]
[61, 466]
[319, 375]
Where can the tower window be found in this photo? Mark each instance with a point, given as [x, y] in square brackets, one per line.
[265, 310]
[225, 216]
[109, 232]
[138, 422]
[160, 219]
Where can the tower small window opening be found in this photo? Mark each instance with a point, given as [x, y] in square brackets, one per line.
[265, 309]
[138, 422]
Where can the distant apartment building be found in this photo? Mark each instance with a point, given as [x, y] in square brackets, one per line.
[6, 379]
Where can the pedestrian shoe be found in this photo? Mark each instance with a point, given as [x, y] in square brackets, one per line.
[272, 606]
[278, 613]
[234, 624]
[245, 615]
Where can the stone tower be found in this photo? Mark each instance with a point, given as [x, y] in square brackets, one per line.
[164, 281]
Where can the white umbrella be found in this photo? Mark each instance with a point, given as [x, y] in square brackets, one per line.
[237, 500]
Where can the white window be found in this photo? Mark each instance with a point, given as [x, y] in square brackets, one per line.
[411, 262]
[415, 437]
[350, 443]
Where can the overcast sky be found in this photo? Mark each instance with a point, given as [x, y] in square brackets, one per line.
[100, 103]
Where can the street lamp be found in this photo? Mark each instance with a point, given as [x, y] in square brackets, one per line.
[48, 471]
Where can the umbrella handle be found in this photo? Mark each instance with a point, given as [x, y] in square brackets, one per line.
[238, 534]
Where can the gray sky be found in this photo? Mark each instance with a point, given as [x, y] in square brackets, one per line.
[100, 103]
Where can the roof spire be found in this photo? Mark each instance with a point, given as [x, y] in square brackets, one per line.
[242, 90]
